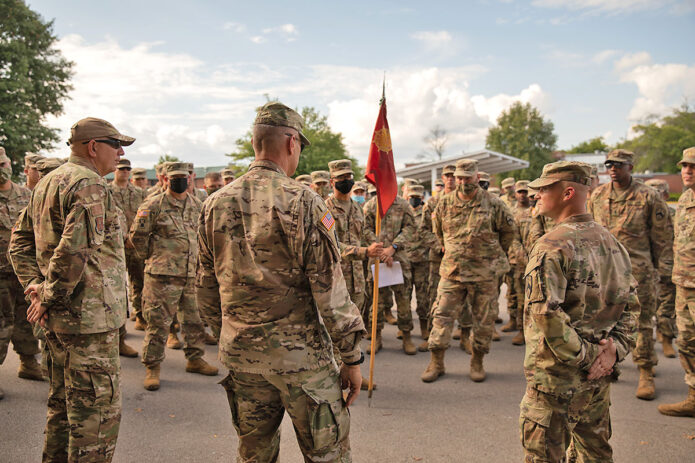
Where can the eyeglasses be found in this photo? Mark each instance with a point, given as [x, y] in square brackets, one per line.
[611, 164]
[124, 168]
[115, 144]
[301, 145]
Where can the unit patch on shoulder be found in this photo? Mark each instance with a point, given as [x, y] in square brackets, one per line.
[328, 221]
[143, 213]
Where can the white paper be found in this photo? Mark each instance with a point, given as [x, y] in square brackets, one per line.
[389, 276]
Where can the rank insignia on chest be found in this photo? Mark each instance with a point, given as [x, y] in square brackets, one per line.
[328, 221]
[143, 213]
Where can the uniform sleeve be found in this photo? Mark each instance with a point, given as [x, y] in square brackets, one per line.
[407, 234]
[546, 291]
[506, 228]
[660, 229]
[624, 333]
[142, 227]
[206, 284]
[22, 250]
[320, 259]
[437, 223]
[425, 229]
[349, 252]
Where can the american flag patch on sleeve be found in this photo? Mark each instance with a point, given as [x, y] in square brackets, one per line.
[143, 213]
[328, 220]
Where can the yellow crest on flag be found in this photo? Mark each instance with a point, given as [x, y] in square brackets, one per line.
[382, 140]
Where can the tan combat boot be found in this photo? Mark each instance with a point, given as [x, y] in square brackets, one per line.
[495, 334]
[377, 342]
[519, 339]
[424, 346]
[685, 408]
[424, 330]
[645, 386]
[29, 368]
[465, 342]
[509, 326]
[201, 367]
[140, 324]
[399, 334]
[477, 372]
[408, 346]
[173, 341]
[457, 333]
[668, 347]
[435, 369]
[209, 339]
[388, 316]
[365, 385]
[125, 350]
[151, 382]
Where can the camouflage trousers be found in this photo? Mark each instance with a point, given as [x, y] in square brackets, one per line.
[314, 402]
[136, 277]
[433, 282]
[465, 319]
[163, 297]
[666, 311]
[644, 354]
[84, 399]
[403, 294]
[13, 319]
[515, 295]
[450, 297]
[207, 297]
[421, 273]
[685, 317]
[551, 424]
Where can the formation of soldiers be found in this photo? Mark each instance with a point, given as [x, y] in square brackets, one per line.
[280, 270]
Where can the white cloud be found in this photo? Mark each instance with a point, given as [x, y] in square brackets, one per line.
[234, 26]
[616, 6]
[632, 60]
[258, 39]
[287, 32]
[603, 56]
[433, 39]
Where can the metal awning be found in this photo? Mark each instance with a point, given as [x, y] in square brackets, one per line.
[489, 161]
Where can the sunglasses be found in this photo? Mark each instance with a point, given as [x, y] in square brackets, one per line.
[115, 144]
[124, 168]
[301, 145]
[615, 164]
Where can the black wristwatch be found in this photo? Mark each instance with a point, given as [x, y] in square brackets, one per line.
[358, 362]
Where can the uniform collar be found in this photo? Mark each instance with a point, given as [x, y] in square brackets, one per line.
[80, 161]
[266, 164]
[579, 218]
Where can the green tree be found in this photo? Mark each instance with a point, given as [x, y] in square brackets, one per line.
[34, 81]
[659, 143]
[522, 132]
[589, 146]
[168, 158]
[326, 146]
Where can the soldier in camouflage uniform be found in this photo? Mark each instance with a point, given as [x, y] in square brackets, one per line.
[507, 196]
[476, 230]
[580, 320]
[201, 195]
[139, 178]
[213, 182]
[493, 190]
[684, 278]
[30, 170]
[666, 330]
[304, 179]
[160, 170]
[636, 215]
[47, 165]
[67, 251]
[165, 226]
[397, 234]
[320, 183]
[268, 243]
[13, 306]
[227, 176]
[128, 198]
[418, 254]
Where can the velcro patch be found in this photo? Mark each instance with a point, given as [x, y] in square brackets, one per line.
[328, 221]
[143, 213]
[99, 222]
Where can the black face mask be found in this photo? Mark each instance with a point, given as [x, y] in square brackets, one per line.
[345, 186]
[484, 185]
[415, 201]
[178, 185]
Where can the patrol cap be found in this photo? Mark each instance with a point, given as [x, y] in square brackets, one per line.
[521, 185]
[305, 179]
[190, 167]
[621, 155]
[371, 189]
[438, 182]
[340, 167]
[276, 113]
[569, 171]
[448, 169]
[30, 159]
[92, 127]
[507, 182]
[123, 162]
[320, 176]
[466, 168]
[416, 190]
[410, 181]
[359, 186]
[494, 190]
[688, 156]
[177, 168]
[658, 184]
[227, 173]
[139, 172]
[46, 165]
[483, 176]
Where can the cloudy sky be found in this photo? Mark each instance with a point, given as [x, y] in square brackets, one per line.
[184, 77]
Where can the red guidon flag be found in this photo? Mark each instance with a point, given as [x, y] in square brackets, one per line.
[380, 171]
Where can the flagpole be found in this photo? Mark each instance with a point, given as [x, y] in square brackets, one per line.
[375, 304]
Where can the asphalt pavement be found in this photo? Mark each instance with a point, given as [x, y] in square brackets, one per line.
[450, 420]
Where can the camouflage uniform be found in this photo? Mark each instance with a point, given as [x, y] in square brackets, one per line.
[521, 248]
[418, 254]
[435, 251]
[13, 306]
[323, 177]
[666, 302]
[508, 197]
[166, 228]
[397, 228]
[268, 243]
[640, 220]
[69, 241]
[540, 225]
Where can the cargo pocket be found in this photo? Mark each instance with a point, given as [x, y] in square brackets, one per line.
[93, 380]
[329, 419]
[228, 384]
[534, 421]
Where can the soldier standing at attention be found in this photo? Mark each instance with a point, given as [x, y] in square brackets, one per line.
[165, 226]
[30, 170]
[684, 278]
[128, 198]
[160, 170]
[636, 215]
[201, 195]
[476, 230]
[320, 183]
[507, 195]
[75, 277]
[270, 244]
[213, 181]
[580, 321]
[418, 253]
[13, 307]
[227, 176]
[139, 178]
